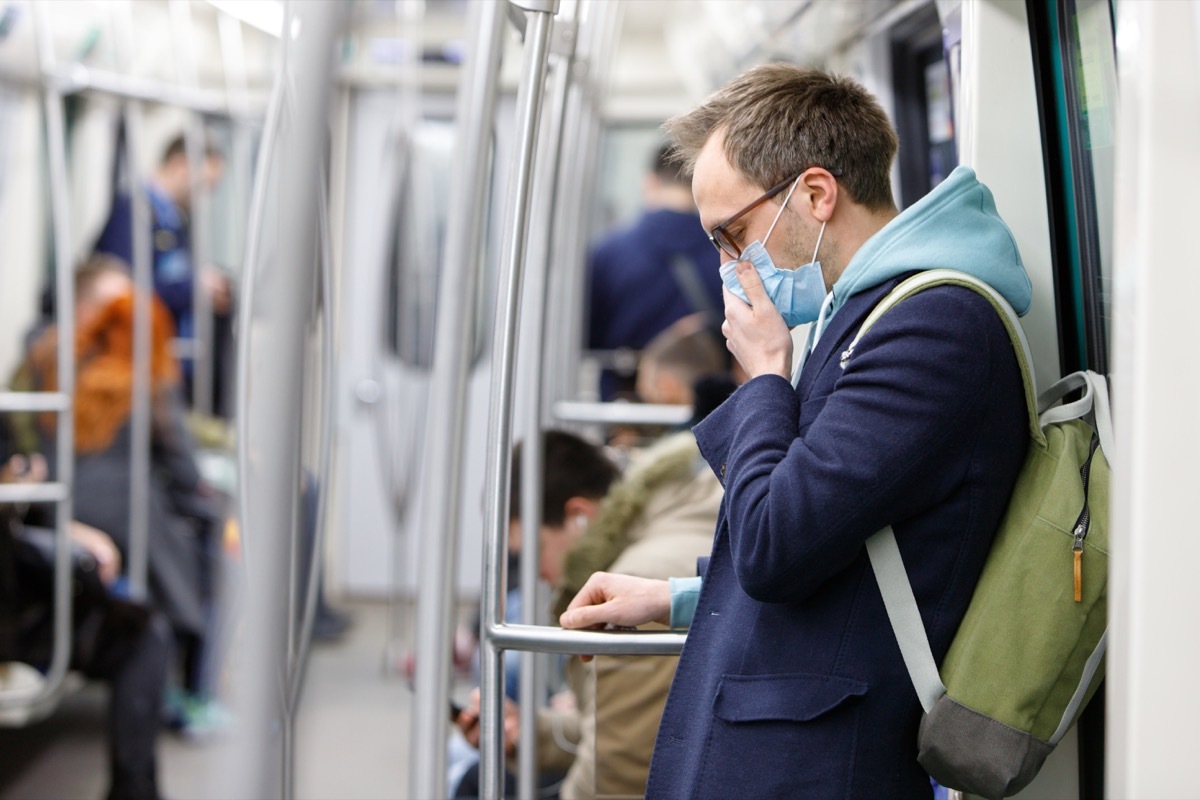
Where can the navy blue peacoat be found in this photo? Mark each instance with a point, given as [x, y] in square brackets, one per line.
[791, 683]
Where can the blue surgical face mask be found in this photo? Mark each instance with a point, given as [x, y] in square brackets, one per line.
[796, 293]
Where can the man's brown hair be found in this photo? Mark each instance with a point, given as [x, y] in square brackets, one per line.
[780, 119]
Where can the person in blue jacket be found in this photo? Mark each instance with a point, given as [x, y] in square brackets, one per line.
[169, 194]
[791, 683]
[647, 276]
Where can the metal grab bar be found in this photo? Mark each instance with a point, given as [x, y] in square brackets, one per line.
[534, 355]
[297, 657]
[500, 417]
[80, 78]
[195, 151]
[621, 413]
[137, 566]
[34, 401]
[599, 24]
[60, 210]
[271, 415]
[476, 113]
[546, 639]
[258, 204]
[34, 492]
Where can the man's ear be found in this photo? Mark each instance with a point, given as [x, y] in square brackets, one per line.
[578, 506]
[819, 192]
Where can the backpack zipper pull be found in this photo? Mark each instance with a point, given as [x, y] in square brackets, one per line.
[1077, 547]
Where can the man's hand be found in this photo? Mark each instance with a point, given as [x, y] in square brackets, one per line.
[756, 333]
[101, 548]
[468, 723]
[611, 599]
[217, 286]
[19, 469]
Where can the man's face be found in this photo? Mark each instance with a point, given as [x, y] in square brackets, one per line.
[553, 544]
[722, 191]
[556, 542]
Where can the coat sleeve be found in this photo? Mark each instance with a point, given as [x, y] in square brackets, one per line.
[806, 486]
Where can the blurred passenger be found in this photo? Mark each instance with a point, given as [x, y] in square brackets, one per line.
[654, 522]
[126, 644]
[170, 196]
[685, 365]
[674, 360]
[646, 276]
[184, 513]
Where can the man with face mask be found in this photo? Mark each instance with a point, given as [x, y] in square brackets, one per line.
[791, 683]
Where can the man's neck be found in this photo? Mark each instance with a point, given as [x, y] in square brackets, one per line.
[670, 197]
[855, 229]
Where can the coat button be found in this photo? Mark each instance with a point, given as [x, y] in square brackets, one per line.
[722, 473]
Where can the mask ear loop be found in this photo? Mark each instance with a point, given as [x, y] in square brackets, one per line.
[818, 247]
[787, 197]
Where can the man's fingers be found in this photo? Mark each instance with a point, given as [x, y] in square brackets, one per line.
[752, 285]
[584, 617]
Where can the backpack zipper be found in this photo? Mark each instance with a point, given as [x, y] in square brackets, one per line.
[1083, 522]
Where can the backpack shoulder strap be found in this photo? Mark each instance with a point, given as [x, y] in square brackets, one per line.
[882, 549]
[944, 277]
[905, 617]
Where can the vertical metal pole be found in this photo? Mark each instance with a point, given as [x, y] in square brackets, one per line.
[298, 655]
[533, 673]
[529, 106]
[198, 218]
[598, 29]
[142, 235]
[64, 284]
[451, 361]
[257, 213]
[275, 355]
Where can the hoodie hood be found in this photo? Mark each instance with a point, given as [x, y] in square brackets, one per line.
[955, 226]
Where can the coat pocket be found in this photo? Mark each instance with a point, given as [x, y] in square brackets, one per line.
[795, 697]
[791, 735]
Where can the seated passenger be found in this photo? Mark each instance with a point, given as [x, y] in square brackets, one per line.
[654, 522]
[686, 365]
[125, 644]
[182, 510]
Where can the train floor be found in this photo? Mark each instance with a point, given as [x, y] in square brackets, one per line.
[352, 733]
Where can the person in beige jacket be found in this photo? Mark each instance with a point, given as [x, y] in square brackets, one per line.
[654, 522]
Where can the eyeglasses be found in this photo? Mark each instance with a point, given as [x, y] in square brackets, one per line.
[720, 236]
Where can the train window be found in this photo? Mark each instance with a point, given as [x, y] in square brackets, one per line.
[1075, 63]
[1090, 77]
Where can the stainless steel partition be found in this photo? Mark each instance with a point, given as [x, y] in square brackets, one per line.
[143, 278]
[500, 416]
[533, 355]
[498, 636]
[201, 355]
[271, 354]
[451, 360]
[61, 401]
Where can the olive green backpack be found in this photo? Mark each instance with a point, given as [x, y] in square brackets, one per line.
[1029, 652]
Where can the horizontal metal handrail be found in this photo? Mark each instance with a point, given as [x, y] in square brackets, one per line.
[34, 401]
[621, 413]
[33, 492]
[78, 78]
[548, 639]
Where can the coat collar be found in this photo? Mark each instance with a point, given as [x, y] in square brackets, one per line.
[839, 331]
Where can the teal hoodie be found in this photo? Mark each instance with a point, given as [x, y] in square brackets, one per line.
[953, 227]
